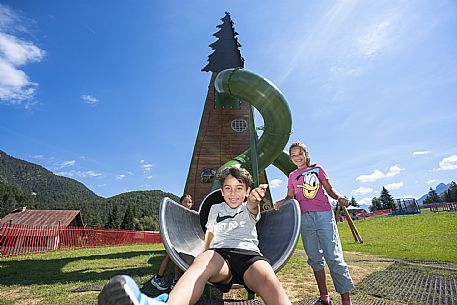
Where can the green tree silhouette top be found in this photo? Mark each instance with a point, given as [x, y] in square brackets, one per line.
[386, 199]
[376, 204]
[354, 202]
[128, 223]
[113, 218]
[432, 197]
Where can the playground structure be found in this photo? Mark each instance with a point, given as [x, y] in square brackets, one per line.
[183, 230]
[228, 137]
[227, 132]
[405, 206]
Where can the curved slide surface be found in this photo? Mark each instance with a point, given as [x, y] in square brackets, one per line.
[270, 102]
[183, 235]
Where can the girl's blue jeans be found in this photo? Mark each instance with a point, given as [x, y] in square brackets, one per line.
[322, 245]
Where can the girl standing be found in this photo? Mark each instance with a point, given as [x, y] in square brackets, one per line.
[318, 227]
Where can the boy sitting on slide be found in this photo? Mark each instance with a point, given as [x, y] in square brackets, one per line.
[232, 254]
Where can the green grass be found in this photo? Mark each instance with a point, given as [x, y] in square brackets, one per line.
[427, 236]
[49, 278]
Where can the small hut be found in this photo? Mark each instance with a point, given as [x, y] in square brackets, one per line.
[23, 230]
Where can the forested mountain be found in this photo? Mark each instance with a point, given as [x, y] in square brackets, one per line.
[49, 189]
[13, 197]
[145, 202]
[24, 183]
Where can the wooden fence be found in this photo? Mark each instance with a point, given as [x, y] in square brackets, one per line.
[441, 206]
[18, 239]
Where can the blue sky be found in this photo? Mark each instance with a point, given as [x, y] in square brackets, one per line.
[110, 93]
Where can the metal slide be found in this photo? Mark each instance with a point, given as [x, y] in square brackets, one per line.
[183, 230]
[183, 234]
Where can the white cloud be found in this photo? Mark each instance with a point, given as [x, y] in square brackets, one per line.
[431, 181]
[393, 186]
[18, 52]
[65, 163]
[448, 163]
[365, 200]
[15, 86]
[376, 38]
[377, 174]
[120, 177]
[362, 190]
[145, 166]
[418, 153]
[90, 100]
[79, 174]
[275, 183]
[394, 170]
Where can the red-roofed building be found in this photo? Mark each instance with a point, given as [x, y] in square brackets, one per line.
[62, 218]
[27, 231]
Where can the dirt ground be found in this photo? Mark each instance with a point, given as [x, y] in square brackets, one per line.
[301, 285]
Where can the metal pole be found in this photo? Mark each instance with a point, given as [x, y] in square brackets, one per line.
[254, 160]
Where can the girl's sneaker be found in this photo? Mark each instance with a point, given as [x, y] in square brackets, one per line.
[321, 302]
[122, 290]
[159, 283]
[173, 284]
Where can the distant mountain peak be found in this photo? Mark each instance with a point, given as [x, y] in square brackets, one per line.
[440, 188]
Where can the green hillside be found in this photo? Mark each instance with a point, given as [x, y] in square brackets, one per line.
[24, 183]
[51, 190]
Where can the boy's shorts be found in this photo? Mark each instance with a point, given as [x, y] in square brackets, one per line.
[238, 261]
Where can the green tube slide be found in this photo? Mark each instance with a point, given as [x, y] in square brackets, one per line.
[283, 163]
[269, 101]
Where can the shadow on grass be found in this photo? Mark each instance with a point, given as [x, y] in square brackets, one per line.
[50, 271]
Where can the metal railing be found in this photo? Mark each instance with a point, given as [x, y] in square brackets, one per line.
[16, 239]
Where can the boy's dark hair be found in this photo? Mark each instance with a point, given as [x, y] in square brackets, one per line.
[183, 197]
[240, 174]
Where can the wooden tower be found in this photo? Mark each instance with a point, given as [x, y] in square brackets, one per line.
[225, 125]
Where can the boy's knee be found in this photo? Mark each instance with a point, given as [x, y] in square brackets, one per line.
[208, 260]
[261, 274]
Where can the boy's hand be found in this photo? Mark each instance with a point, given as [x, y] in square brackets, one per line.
[257, 194]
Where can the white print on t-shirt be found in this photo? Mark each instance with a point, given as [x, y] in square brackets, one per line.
[230, 225]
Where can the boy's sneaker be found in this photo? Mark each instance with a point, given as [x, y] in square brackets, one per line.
[321, 302]
[173, 284]
[159, 283]
[122, 290]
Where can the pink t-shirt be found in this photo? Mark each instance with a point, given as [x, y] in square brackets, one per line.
[307, 185]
